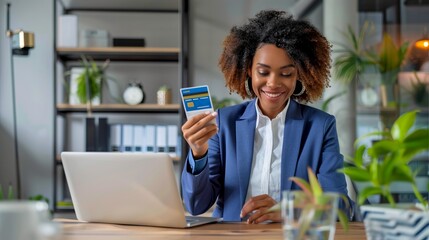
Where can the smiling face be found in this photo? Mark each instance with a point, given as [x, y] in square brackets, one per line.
[274, 77]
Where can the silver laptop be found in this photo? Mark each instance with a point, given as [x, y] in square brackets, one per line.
[126, 188]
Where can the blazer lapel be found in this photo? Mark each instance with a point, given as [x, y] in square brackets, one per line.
[294, 126]
[245, 133]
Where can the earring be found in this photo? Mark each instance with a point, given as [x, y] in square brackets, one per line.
[247, 87]
[299, 89]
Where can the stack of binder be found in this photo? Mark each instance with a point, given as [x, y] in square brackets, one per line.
[145, 138]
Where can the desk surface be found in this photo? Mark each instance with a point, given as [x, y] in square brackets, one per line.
[73, 230]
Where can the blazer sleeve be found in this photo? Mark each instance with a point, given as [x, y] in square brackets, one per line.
[330, 179]
[200, 191]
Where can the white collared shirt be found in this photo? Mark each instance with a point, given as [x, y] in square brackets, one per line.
[267, 153]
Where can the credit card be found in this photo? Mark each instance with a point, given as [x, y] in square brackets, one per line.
[196, 100]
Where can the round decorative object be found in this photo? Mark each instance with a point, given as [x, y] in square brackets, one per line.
[369, 97]
[134, 94]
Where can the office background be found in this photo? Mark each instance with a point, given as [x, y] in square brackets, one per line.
[209, 22]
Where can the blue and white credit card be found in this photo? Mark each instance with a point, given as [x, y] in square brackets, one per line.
[196, 100]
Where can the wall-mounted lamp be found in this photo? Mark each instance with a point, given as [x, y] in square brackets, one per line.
[423, 43]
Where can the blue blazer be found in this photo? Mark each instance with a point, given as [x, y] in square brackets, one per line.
[310, 140]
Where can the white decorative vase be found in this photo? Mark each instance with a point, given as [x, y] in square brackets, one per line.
[384, 222]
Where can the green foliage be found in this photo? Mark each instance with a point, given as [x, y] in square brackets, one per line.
[39, 197]
[388, 59]
[222, 102]
[95, 75]
[326, 103]
[356, 58]
[10, 194]
[315, 195]
[420, 91]
[353, 61]
[389, 158]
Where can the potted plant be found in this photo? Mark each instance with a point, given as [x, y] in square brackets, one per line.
[419, 91]
[310, 213]
[94, 76]
[352, 61]
[9, 193]
[386, 59]
[384, 163]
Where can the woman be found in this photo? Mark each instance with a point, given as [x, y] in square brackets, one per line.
[245, 161]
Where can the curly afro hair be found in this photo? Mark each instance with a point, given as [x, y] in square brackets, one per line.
[304, 44]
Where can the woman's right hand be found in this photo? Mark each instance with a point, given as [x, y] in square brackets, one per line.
[197, 131]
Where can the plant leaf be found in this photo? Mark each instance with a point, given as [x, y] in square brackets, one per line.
[383, 147]
[402, 125]
[373, 170]
[419, 196]
[316, 189]
[10, 192]
[343, 220]
[356, 174]
[402, 173]
[275, 208]
[358, 160]
[414, 143]
[1, 192]
[303, 185]
[383, 134]
[307, 216]
[368, 191]
[327, 101]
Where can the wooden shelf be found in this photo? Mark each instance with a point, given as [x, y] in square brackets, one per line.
[122, 108]
[378, 111]
[152, 54]
[58, 159]
[123, 5]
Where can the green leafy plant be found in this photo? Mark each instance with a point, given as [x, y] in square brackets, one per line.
[39, 197]
[316, 202]
[419, 91]
[388, 58]
[353, 58]
[223, 102]
[9, 193]
[325, 104]
[388, 159]
[96, 76]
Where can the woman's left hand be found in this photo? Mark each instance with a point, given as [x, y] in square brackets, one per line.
[257, 208]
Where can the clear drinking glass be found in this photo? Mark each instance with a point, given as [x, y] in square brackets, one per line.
[305, 217]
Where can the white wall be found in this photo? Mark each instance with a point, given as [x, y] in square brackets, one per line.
[34, 99]
[210, 22]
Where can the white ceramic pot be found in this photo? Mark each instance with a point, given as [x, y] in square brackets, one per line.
[384, 222]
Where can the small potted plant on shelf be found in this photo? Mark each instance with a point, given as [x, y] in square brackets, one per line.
[9, 193]
[381, 165]
[94, 76]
